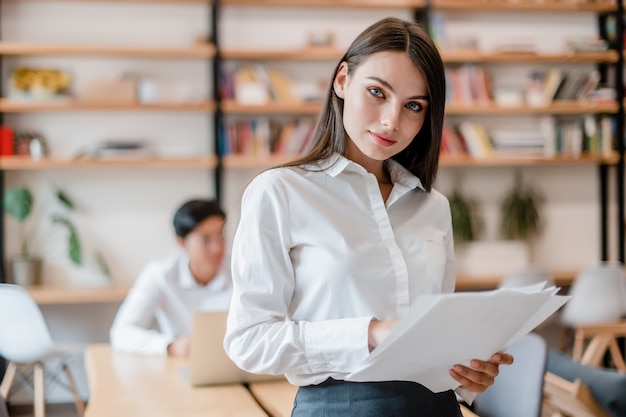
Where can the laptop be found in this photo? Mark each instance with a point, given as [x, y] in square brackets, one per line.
[209, 364]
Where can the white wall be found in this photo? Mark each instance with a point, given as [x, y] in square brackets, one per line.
[126, 213]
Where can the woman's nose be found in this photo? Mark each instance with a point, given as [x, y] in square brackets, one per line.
[390, 117]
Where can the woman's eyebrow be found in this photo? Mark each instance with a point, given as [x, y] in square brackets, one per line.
[390, 88]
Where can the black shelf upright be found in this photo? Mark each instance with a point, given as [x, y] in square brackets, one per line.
[3, 277]
[217, 99]
[619, 130]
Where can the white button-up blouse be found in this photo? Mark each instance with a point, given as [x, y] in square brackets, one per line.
[318, 254]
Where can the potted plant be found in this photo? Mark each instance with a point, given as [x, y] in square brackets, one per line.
[520, 211]
[18, 203]
[467, 224]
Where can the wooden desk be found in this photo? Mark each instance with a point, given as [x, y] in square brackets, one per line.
[277, 397]
[126, 385]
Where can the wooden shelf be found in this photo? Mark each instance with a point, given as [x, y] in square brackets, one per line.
[365, 4]
[308, 54]
[9, 105]
[78, 295]
[523, 5]
[261, 162]
[21, 163]
[516, 160]
[303, 108]
[255, 162]
[570, 107]
[21, 49]
[463, 56]
[473, 283]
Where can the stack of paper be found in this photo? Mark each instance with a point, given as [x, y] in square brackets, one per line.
[440, 331]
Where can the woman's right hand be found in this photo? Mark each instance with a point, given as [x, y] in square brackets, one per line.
[378, 331]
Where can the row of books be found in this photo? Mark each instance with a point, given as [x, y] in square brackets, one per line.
[551, 137]
[257, 84]
[470, 84]
[264, 136]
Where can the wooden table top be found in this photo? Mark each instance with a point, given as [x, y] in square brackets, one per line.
[127, 385]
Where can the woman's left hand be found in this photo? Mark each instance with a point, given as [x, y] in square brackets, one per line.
[480, 375]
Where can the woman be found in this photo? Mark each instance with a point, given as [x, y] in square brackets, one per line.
[332, 249]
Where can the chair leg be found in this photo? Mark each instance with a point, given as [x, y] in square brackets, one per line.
[596, 349]
[7, 381]
[616, 354]
[78, 401]
[39, 390]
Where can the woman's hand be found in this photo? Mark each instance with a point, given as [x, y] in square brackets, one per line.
[481, 374]
[378, 331]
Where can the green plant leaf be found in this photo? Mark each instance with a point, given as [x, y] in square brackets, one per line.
[103, 266]
[74, 246]
[18, 203]
[64, 199]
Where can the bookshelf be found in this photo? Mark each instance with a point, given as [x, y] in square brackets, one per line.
[566, 110]
[77, 37]
[224, 52]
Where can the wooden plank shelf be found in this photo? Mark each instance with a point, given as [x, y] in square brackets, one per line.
[27, 49]
[17, 106]
[308, 54]
[525, 5]
[237, 161]
[364, 4]
[21, 163]
[560, 108]
[48, 295]
[530, 160]
[464, 56]
[475, 283]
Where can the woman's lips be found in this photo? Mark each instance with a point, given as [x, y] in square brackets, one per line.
[382, 140]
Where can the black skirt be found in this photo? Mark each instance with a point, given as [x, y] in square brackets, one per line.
[334, 398]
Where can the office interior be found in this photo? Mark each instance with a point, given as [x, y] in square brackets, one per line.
[172, 53]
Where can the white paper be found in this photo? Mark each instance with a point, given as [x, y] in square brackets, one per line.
[440, 331]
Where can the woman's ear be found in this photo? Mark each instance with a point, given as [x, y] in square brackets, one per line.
[339, 83]
[181, 242]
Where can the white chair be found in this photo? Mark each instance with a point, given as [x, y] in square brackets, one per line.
[25, 339]
[598, 296]
[595, 312]
[518, 389]
[533, 274]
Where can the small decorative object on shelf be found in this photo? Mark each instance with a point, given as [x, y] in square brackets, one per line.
[30, 143]
[39, 83]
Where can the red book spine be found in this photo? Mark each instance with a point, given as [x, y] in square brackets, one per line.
[6, 140]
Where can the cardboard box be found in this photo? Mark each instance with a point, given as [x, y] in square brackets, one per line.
[110, 90]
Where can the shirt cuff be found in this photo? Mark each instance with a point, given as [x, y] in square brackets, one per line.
[465, 395]
[338, 345]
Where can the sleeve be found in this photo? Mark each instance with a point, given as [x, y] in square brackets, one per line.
[130, 331]
[260, 336]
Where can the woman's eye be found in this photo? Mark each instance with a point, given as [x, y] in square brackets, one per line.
[414, 106]
[376, 92]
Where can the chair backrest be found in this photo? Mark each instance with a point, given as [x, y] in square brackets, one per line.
[518, 389]
[531, 275]
[24, 335]
[598, 295]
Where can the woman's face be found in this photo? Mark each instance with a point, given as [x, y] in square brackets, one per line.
[205, 246]
[385, 104]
